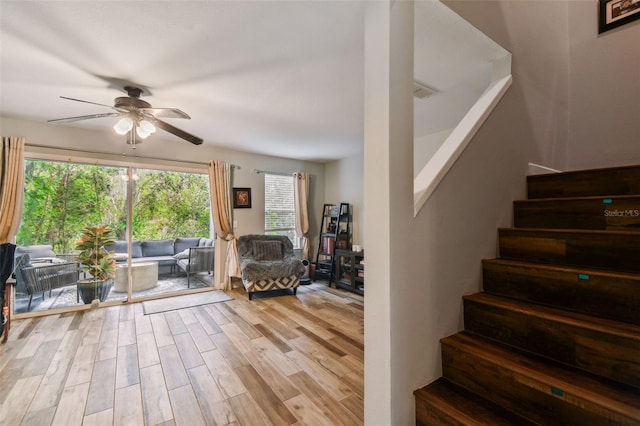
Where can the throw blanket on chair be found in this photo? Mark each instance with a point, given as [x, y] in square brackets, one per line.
[265, 258]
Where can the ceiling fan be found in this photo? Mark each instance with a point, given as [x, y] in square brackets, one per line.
[138, 117]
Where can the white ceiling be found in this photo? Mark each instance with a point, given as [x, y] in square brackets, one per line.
[283, 78]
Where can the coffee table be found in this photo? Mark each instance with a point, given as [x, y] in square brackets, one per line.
[144, 276]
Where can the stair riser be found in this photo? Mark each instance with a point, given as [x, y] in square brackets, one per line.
[428, 414]
[538, 401]
[606, 355]
[597, 249]
[622, 214]
[605, 182]
[605, 295]
[443, 403]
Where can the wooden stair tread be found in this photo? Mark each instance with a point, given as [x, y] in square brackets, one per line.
[605, 348]
[442, 402]
[556, 231]
[607, 181]
[598, 292]
[599, 198]
[574, 388]
[583, 172]
[598, 213]
[616, 250]
[567, 268]
[601, 325]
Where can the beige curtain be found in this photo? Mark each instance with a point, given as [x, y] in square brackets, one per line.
[11, 187]
[221, 203]
[301, 201]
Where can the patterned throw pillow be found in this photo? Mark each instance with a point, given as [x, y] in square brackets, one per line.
[267, 250]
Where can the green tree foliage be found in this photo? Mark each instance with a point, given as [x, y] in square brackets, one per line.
[170, 204]
[63, 198]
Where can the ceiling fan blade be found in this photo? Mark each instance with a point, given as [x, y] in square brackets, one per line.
[166, 112]
[86, 102]
[86, 117]
[175, 131]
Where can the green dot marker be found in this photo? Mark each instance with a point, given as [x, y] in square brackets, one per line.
[607, 201]
[583, 276]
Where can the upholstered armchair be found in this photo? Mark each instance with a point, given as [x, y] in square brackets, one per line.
[268, 263]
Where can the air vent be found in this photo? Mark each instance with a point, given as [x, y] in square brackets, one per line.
[421, 91]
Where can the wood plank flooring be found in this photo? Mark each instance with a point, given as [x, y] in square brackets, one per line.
[281, 360]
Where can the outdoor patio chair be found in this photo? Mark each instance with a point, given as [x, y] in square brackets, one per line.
[200, 260]
[44, 275]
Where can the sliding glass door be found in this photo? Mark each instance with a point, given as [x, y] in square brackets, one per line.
[170, 222]
[164, 213]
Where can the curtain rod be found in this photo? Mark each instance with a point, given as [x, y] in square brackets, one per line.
[123, 155]
[272, 173]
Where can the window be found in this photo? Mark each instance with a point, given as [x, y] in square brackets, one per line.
[279, 208]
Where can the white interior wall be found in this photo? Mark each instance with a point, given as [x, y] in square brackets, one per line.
[344, 183]
[604, 95]
[537, 37]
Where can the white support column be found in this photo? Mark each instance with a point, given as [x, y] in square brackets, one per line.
[388, 199]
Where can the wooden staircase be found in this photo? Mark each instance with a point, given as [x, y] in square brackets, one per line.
[554, 338]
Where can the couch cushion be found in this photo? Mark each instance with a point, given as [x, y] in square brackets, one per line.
[22, 260]
[121, 246]
[37, 252]
[151, 248]
[136, 248]
[267, 250]
[205, 242]
[183, 243]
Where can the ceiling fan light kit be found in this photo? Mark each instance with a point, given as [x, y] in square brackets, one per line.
[138, 114]
[123, 126]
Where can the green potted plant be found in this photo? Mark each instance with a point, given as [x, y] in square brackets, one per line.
[97, 262]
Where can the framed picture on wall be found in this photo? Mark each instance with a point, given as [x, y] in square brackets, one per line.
[614, 13]
[241, 198]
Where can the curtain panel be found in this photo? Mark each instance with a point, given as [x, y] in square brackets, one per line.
[301, 201]
[221, 207]
[11, 187]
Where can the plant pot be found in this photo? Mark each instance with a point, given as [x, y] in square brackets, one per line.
[90, 290]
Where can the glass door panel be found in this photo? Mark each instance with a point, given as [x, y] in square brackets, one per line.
[61, 199]
[171, 247]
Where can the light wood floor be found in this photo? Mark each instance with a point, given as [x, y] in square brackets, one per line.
[271, 361]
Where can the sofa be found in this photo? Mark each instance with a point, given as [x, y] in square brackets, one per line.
[168, 253]
[38, 269]
[267, 263]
